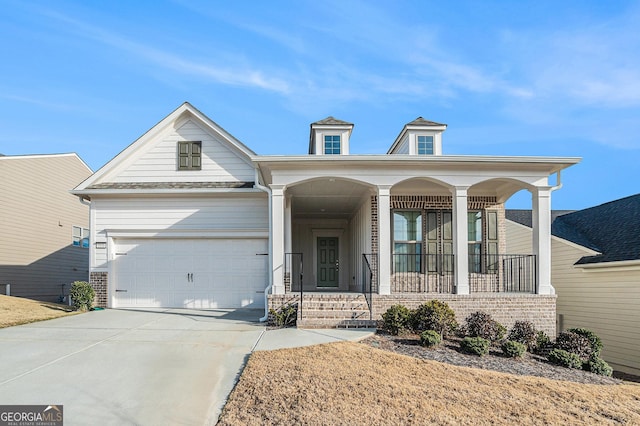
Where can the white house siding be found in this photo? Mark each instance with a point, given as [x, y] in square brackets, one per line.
[36, 221]
[403, 146]
[606, 302]
[189, 214]
[360, 241]
[158, 164]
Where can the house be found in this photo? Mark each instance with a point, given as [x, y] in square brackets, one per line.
[43, 228]
[595, 270]
[188, 216]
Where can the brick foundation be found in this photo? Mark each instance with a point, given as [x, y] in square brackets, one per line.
[506, 308]
[98, 281]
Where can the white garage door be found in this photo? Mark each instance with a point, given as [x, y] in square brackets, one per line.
[190, 273]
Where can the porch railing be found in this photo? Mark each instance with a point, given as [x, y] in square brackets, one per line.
[423, 273]
[293, 275]
[488, 273]
[496, 273]
[369, 278]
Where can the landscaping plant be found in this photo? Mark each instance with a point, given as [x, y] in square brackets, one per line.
[565, 359]
[434, 315]
[82, 295]
[481, 324]
[513, 349]
[594, 341]
[284, 316]
[524, 332]
[396, 319]
[430, 338]
[574, 343]
[475, 346]
[598, 365]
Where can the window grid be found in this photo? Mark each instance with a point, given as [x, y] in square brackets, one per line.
[80, 237]
[332, 144]
[425, 145]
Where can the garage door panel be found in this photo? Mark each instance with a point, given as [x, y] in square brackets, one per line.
[196, 273]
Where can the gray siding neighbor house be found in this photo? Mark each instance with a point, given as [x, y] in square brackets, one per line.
[43, 228]
[595, 270]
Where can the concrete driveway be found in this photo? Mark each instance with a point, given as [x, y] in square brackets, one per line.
[151, 367]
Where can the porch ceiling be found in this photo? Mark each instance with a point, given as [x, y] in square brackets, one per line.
[327, 197]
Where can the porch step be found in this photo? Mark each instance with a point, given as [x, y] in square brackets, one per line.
[334, 311]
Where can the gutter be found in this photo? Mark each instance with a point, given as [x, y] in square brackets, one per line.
[257, 185]
[558, 181]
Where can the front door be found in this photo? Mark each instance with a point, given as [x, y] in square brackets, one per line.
[328, 262]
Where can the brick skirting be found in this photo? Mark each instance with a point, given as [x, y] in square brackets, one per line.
[506, 308]
[98, 281]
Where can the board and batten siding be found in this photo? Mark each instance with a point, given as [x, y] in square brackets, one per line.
[157, 214]
[159, 163]
[36, 220]
[360, 235]
[604, 301]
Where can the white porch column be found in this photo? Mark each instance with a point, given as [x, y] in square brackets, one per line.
[384, 240]
[277, 238]
[460, 239]
[541, 221]
[288, 247]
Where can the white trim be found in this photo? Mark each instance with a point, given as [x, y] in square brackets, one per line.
[166, 191]
[191, 233]
[617, 266]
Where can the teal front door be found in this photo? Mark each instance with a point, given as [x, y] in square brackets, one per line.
[328, 262]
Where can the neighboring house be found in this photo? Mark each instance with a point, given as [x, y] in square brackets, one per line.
[44, 229]
[188, 216]
[596, 273]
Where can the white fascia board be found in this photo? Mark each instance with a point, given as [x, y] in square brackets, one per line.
[621, 265]
[45, 156]
[163, 191]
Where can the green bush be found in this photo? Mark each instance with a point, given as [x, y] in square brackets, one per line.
[434, 315]
[481, 324]
[543, 343]
[524, 332]
[475, 346]
[430, 338]
[82, 295]
[575, 344]
[565, 359]
[396, 319]
[513, 349]
[284, 316]
[598, 365]
[594, 340]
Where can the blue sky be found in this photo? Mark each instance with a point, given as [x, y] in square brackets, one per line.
[509, 78]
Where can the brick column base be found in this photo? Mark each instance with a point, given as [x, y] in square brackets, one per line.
[98, 281]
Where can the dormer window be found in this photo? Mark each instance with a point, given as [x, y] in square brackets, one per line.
[424, 145]
[332, 144]
[189, 155]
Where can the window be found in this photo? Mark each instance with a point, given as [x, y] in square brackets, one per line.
[80, 237]
[425, 145]
[189, 155]
[474, 229]
[407, 241]
[332, 144]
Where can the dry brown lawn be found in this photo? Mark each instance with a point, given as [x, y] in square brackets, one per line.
[17, 310]
[354, 384]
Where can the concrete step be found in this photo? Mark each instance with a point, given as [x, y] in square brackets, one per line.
[331, 314]
[336, 323]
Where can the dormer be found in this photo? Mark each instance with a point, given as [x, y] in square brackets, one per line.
[330, 137]
[420, 137]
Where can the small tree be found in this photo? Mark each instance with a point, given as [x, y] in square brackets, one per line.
[82, 295]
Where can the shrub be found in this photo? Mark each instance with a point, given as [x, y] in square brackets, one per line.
[82, 295]
[594, 340]
[481, 324]
[575, 344]
[543, 343]
[565, 359]
[513, 349]
[524, 332]
[284, 316]
[396, 319]
[434, 315]
[598, 365]
[475, 346]
[430, 338]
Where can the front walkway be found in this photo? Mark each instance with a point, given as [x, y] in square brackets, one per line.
[161, 366]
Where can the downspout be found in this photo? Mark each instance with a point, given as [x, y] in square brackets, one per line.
[266, 189]
[83, 201]
[558, 182]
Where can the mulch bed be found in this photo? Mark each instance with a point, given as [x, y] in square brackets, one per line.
[448, 352]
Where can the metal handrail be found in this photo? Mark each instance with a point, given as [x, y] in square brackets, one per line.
[367, 269]
[288, 262]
